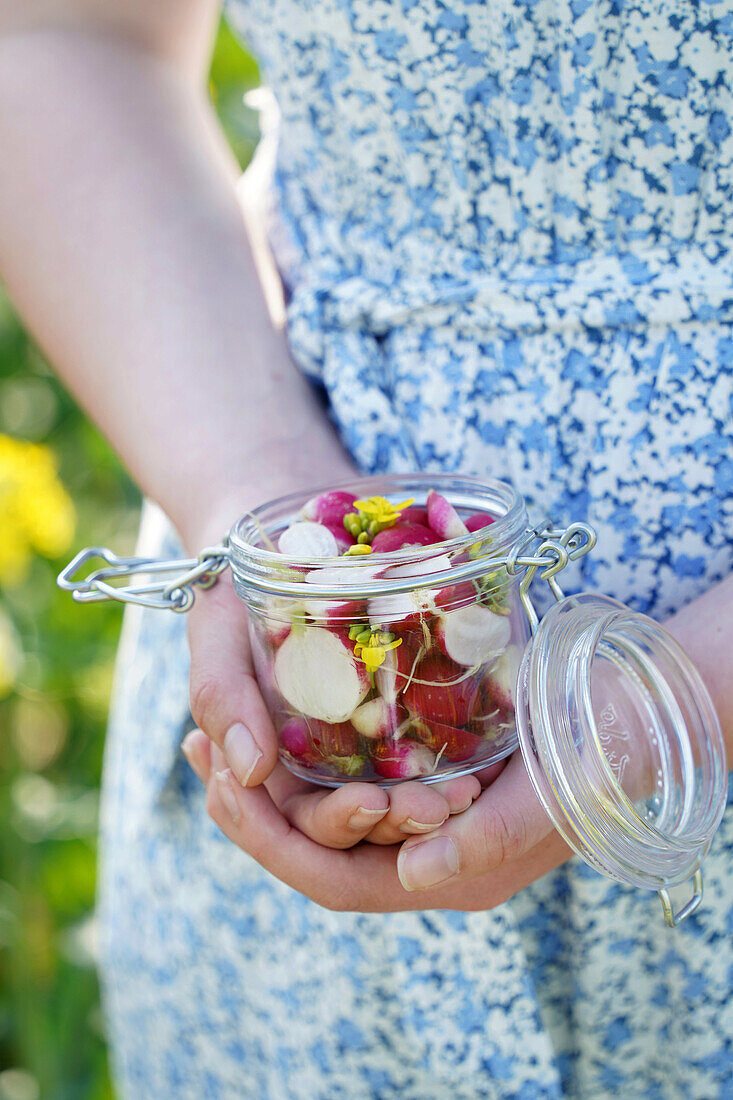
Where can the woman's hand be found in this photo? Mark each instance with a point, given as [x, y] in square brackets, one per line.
[475, 860]
[240, 744]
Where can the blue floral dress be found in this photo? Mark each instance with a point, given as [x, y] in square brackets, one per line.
[505, 230]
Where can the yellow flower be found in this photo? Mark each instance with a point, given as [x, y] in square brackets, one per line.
[36, 513]
[380, 510]
[372, 648]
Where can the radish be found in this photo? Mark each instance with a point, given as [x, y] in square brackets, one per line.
[337, 612]
[500, 684]
[295, 739]
[439, 563]
[472, 635]
[376, 718]
[277, 617]
[408, 608]
[403, 759]
[448, 742]
[478, 521]
[441, 691]
[401, 536]
[392, 677]
[318, 675]
[308, 540]
[330, 508]
[454, 596]
[415, 514]
[343, 539]
[334, 738]
[443, 518]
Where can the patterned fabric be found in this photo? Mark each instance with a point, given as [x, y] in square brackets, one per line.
[505, 230]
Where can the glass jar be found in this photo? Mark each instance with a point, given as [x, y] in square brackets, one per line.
[431, 662]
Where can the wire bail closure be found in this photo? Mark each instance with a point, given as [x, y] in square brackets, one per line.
[672, 918]
[176, 593]
[559, 546]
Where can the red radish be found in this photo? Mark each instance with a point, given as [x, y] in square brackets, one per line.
[403, 759]
[478, 521]
[377, 718]
[472, 635]
[448, 742]
[308, 540]
[318, 675]
[415, 514]
[295, 739]
[402, 535]
[408, 608]
[334, 738]
[441, 692]
[454, 596]
[501, 682]
[330, 508]
[277, 616]
[343, 539]
[443, 518]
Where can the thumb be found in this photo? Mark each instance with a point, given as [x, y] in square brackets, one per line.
[504, 823]
[225, 699]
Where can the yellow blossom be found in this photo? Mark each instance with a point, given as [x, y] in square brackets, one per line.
[36, 513]
[372, 648]
[381, 511]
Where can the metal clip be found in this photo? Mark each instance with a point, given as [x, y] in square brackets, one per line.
[176, 593]
[672, 918]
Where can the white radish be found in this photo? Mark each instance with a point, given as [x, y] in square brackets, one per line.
[376, 718]
[338, 611]
[437, 564]
[472, 635]
[318, 675]
[308, 540]
[443, 518]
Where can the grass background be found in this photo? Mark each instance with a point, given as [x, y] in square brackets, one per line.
[52, 718]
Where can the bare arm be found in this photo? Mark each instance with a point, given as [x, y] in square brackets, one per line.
[123, 245]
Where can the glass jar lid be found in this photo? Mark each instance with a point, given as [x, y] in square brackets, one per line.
[621, 741]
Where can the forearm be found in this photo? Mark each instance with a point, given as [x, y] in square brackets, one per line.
[123, 245]
[705, 629]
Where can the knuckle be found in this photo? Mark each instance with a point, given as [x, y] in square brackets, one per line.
[203, 698]
[503, 838]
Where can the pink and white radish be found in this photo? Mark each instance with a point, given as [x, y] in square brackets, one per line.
[377, 718]
[304, 539]
[393, 676]
[330, 508]
[472, 635]
[441, 691]
[443, 518]
[415, 514]
[317, 674]
[343, 539]
[295, 739]
[401, 536]
[403, 759]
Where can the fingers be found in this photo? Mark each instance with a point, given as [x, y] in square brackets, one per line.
[225, 699]
[500, 828]
[338, 818]
[420, 808]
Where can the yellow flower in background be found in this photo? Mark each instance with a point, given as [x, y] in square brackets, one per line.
[36, 513]
[11, 655]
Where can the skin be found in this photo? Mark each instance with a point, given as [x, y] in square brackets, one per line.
[123, 245]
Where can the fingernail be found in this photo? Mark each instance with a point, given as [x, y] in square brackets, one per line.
[364, 819]
[428, 863]
[187, 749]
[227, 795]
[241, 752]
[412, 826]
[463, 809]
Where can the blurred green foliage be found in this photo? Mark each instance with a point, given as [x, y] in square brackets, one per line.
[52, 718]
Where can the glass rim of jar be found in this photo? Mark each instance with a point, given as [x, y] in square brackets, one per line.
[270, 572]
